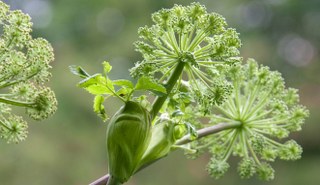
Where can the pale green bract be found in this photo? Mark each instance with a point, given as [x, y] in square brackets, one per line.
[24, 65]
[128, 136]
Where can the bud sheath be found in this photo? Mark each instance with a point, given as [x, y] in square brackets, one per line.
[128, 136]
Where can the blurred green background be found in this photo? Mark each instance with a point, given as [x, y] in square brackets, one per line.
[69, 148]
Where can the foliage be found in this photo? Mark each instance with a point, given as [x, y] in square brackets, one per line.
[191, 66]
[24, 66]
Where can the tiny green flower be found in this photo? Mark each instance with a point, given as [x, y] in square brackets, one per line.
[247, 168]
[265, 172]
[45, 104]
[13, 129]
[290, 151]
[217, 168]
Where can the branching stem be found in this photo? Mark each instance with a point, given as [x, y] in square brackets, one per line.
[184, 140]
[208, 131]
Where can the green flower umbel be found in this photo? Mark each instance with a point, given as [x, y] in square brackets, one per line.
[186, 34]
[262, 112]
[24, 65]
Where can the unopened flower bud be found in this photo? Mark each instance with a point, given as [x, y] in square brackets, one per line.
[128, 136]
[164, 135]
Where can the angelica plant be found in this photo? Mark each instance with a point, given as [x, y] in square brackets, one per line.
[191, 70]
[24, 65]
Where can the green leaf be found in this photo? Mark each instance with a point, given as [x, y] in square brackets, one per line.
[77, 70]
[177, 113]
[145, 83]
[98, 90]
[106, 67]
[123, 92]
[98, 107]
[91, 80]
[179, 131]
[122, 82]
[97, 84]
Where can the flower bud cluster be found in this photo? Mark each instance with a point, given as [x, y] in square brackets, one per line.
[190, 64]
[24, 65]
[45, 104]
[186, 34]
[265, 112]
[13, 129]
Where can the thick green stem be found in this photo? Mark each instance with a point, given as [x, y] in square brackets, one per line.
[175, 75]
[113, 181]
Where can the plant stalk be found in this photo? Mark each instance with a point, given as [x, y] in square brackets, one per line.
[113, 181]
[101, 181]
[207, 131]
[157, 104]
[175, 75]
[155, 110]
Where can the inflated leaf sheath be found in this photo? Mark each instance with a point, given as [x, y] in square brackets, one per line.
[128, 136]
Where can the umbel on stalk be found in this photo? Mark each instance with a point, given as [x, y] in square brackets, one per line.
[191, 72]
[24, 68]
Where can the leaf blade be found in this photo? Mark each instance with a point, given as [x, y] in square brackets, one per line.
[106, 67]
[98, 107]
[79, 71]
[145, 83]
[123, 82]
[97, 85]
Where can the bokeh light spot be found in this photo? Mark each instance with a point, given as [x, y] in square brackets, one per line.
[40, 11]
[296, 50]
[110, 21]
[255, 14]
